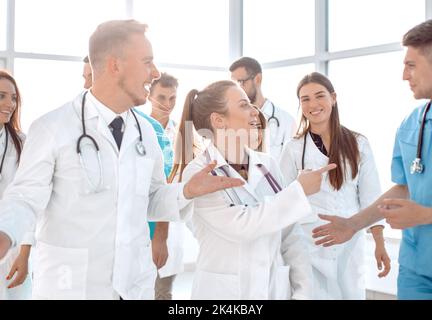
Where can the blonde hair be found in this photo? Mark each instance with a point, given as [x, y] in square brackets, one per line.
[109, 38]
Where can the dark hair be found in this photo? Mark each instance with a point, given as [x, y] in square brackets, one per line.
[251, 65]
[165, 81]
[14, 125]
[420, 37]
[344, 147]
[198, 107]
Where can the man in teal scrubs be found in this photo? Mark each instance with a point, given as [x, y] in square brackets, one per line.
[408, 204]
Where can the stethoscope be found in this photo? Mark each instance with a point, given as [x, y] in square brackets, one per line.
[267, 175]
[416, 165]
[273, 117]
[5, 150]
[140, 149]
[304, 150]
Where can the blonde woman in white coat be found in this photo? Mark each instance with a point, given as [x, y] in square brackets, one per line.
[338, 271]
[240, 230]
[14, 280]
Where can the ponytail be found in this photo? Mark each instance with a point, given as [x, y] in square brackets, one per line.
[184, 139]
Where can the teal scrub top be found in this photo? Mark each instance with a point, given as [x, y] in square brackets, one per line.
[416, 245]
[167, 150]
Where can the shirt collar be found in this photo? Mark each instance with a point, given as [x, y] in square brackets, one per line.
[267, 107]
[106, 113]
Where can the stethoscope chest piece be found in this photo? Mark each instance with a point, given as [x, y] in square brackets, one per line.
[140, 149]
[416, 166]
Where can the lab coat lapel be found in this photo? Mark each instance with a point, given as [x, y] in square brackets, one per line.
[131, 134]
[94, 123]
[105, 132]
[255, 175]
[216, 155]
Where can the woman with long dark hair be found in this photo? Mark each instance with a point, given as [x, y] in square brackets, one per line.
[14, 280]
[354, 184]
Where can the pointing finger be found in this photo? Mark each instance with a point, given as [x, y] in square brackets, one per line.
[326, 168]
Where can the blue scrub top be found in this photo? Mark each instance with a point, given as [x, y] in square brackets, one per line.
[416, 246]
[167, 150]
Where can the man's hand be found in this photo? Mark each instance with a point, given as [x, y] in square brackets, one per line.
[402, 213]
[311, 179]
[5, 244]
[159, 244]
[338, 231]
[203, 183]
[159, 252]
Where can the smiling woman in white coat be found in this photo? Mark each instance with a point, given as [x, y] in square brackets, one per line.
[14, 280]
[240, 230]
[338, 271]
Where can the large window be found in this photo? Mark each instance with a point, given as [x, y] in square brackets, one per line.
[278, 29]
[279, 85]
[46, 85]
[356, 24]
[188, 31]
[61, 27]
[3, 16]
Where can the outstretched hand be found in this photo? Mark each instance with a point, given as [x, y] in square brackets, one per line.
[338, 231]
[203, 183]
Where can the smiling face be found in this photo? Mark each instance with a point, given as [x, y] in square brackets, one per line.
[163, 98]
[316, 103]
[239, 125]
[137, 69]
[418, 73]
[8, 100]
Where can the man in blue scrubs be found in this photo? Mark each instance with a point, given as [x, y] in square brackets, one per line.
[408, 204]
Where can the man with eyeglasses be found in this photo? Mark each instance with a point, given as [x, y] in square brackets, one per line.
[247, 72]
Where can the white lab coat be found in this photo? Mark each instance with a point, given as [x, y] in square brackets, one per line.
[176, 230]
[279, 136]
[89, 245]
[338, 270]
[240, 246]
[8, 172]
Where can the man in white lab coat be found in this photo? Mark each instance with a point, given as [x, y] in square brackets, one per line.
[92, 207]
[248, 73]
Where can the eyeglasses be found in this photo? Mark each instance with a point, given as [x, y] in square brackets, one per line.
[243, 81]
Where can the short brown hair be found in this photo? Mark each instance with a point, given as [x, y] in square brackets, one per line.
[420, 37]
[165, 81]
[109, 38]
[251, 65]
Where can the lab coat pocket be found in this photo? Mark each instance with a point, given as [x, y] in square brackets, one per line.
[144, 172]
[59, 273]
[215, 286]
[142, 287]
[282, 285]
